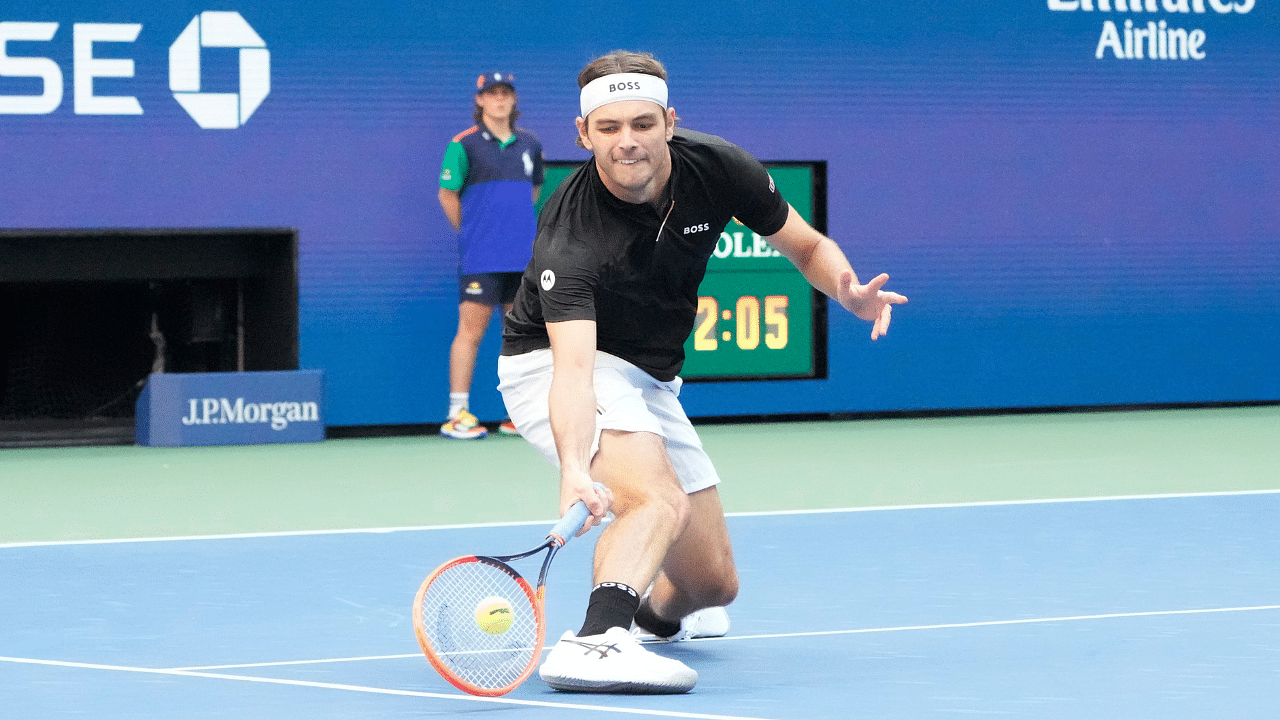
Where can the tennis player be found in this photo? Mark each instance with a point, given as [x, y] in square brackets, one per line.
[592, 350]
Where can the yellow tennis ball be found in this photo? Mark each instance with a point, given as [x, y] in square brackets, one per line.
[494, 615]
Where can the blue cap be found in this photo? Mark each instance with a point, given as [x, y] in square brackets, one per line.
[488, 80]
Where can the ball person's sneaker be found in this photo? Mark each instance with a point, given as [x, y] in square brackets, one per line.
[508, 428]
[613, 662]
[712, 622]
[464, 427]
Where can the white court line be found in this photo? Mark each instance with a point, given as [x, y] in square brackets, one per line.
[523, 523]
[998, 503]
[376, 690]
[280, 533]
[301, 662]
[995, 623]
[818, 633]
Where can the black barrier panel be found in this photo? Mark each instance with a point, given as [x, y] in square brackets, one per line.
[86, 316]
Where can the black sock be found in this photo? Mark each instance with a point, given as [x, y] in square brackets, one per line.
[611, 605]
[654, 624]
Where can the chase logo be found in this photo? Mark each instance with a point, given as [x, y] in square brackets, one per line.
[225, 111]
[212, 29]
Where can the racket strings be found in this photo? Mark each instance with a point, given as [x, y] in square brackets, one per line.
[487, 660]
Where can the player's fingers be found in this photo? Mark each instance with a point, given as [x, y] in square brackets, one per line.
[598, 501]
[595, 504]
[893, 297]
[877, 282]
[881, 326]
[599, 505]
[607, 495]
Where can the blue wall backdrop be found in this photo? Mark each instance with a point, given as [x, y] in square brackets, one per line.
[1071, 229]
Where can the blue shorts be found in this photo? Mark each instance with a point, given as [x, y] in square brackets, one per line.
[490, 288]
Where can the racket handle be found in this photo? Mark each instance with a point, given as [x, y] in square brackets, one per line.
[572, 521]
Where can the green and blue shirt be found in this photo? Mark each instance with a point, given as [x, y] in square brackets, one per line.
[495, 180]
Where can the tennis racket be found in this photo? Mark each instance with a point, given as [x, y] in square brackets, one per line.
[478, 621]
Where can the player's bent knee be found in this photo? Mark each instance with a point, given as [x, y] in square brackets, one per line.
[673, 507]
[670, 502]
[722, 590]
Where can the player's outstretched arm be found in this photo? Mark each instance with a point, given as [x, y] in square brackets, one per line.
[572, 409]
[825, 266]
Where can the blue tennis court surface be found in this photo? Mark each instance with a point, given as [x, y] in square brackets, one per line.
[1124, 608]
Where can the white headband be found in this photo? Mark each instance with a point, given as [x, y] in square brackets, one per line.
[623, 86]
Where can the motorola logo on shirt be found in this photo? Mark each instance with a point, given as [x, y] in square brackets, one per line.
[548, 279]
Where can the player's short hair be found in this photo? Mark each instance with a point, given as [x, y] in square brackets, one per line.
[620, 61]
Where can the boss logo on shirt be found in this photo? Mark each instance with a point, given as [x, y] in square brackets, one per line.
[548, 279]
[702, 227]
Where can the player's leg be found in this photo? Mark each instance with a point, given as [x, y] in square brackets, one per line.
[699, 571]
[698, 574]
[650, 508]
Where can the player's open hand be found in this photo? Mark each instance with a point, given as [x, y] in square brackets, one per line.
[868, 301]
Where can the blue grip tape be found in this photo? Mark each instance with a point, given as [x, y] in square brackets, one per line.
[572, 521]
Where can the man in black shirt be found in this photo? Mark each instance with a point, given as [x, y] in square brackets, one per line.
[592, 350]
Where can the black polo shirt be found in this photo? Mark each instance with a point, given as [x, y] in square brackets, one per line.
[633, 269]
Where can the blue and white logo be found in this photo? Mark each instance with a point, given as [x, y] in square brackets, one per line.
[86, 68]
[220, 30]
[211, 29]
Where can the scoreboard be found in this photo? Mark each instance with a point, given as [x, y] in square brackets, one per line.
[758, 318]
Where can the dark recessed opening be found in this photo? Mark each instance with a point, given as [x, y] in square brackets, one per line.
[86, 316]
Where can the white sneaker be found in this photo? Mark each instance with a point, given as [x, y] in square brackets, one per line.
[613, 662]
[709, 622]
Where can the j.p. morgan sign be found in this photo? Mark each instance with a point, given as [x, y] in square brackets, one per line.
[243, 408]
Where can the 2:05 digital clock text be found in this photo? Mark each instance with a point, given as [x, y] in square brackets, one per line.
[748, 316]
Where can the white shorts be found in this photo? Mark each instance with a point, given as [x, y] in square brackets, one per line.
[627, 399]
